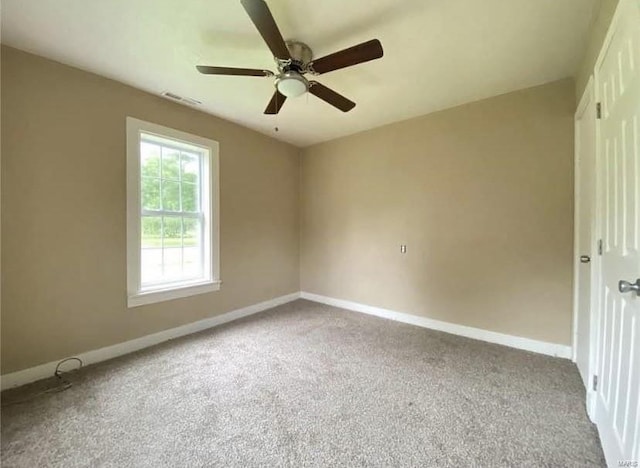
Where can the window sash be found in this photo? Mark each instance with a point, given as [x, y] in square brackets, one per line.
[176, 214]
[156, 138]
[151, 285]
[165, 143]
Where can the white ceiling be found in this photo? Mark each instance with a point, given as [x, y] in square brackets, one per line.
[438, 53]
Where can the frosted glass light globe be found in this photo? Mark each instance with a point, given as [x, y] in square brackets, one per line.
[292, 84]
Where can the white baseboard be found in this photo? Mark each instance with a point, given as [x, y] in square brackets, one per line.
[527, 344]
[15, 379]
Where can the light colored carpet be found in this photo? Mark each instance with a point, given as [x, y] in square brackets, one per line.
[309, 385]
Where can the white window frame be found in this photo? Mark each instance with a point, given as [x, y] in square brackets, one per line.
[136, 295]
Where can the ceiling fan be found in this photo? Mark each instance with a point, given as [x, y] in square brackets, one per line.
[294, 59]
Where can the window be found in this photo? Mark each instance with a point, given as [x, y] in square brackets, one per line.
[172, 214]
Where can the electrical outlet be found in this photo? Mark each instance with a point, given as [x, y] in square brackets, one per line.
[403, 248]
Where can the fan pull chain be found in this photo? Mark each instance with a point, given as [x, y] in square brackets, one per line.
[276, 129]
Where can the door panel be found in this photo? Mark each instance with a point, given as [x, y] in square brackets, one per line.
[618, 84]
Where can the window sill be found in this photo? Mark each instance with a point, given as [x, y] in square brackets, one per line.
[151, 297]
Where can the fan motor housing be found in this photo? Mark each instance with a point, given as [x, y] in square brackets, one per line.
[301, 55]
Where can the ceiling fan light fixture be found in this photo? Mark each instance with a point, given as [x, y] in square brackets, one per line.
[295, 59]
[292, 84]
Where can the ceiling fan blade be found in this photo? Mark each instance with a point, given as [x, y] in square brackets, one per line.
[232, 71]
[276, 103]
[360, 53]
[262, 18]
[330, 96]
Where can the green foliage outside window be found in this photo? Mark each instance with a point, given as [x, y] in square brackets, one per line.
[169, 183]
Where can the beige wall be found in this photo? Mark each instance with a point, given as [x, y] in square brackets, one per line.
[482, 196]
[63, 213]
[594, 43]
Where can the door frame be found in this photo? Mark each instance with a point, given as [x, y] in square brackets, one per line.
[588, 98]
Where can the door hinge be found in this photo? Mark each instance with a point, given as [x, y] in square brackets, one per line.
[595, 383]
[599, 246]
[598, 110]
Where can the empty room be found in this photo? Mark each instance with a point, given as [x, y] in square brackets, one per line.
[343, 233]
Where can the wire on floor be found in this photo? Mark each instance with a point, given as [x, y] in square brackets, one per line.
[62, 384]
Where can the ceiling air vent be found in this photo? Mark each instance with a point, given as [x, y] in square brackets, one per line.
[183, 100]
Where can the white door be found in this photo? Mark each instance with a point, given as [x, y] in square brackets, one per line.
[585, 166]
[617, 410]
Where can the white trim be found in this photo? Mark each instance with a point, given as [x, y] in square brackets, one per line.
[588, 97]
[527, 344]
[210, 212]
[43, 371]
[15, 379]
[175, 292]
